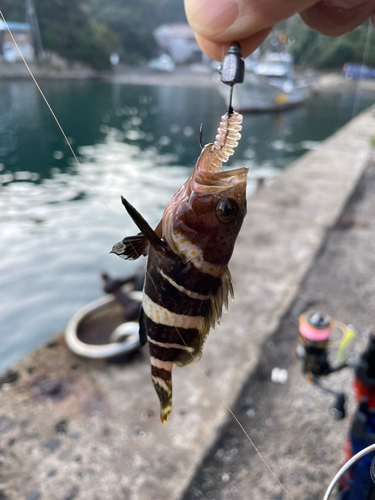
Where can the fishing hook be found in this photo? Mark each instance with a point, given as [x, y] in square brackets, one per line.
[201, 135]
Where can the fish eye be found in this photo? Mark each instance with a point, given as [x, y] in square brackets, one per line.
[226, 210]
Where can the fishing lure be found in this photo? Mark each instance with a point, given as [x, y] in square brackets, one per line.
[187, 279]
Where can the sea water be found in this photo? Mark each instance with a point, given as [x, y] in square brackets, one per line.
[59, 221]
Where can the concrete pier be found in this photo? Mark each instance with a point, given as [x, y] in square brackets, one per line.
[75, 428]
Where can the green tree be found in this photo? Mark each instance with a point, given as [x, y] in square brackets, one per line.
[325, 52]
[127, 20]
[134, 20]
[13, 10]
[67, 27]
[89, 30]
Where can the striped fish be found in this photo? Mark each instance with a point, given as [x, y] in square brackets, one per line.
[187, 279]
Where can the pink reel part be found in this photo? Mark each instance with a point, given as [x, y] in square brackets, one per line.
[315, 326]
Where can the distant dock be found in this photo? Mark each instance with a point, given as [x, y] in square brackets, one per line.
[185, 76]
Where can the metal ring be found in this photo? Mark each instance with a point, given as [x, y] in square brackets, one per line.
[129, 343]
[345, 467]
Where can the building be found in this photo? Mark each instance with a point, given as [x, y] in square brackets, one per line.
[22, 35]
[178, 40]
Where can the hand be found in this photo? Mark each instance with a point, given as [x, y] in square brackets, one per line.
[218, 23]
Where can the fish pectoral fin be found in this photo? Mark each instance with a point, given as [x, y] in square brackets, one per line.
[132, 247]
[142, 328]
[143, 225]
[218, 301]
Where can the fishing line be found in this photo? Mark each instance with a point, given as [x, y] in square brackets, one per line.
[240, 426]
[58, 123]
[97, 193]
[223, 146]
[364, 59]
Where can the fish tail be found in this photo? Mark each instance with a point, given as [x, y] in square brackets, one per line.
[162, 380]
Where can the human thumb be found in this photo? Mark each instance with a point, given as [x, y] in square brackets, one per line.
[229, 20]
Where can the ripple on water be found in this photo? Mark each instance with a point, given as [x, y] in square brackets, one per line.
[56, 235]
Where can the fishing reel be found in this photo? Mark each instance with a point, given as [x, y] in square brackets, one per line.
[315, 329]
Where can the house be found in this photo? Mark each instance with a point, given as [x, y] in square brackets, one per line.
[23, 37]
[179, 42]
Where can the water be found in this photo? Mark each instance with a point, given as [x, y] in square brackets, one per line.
[137, 141]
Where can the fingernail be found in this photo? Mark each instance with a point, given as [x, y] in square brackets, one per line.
[210, 17]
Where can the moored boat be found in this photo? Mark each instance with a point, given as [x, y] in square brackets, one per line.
[270, 85]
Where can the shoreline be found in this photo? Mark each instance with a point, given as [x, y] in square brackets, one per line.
[184, 76]
[194, 75]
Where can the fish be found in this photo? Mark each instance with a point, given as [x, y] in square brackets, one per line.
[187, 280]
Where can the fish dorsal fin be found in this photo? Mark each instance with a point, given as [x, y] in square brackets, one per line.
[132, 247]
[143, 225]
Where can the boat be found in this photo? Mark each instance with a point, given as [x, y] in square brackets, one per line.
[108, 328]
[164, 64]
[269, 85]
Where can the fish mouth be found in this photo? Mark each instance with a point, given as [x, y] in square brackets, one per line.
[209, 179]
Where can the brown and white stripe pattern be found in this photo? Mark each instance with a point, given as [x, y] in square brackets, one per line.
[176, 304]
[187, 281]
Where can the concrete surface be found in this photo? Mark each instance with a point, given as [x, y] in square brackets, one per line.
[72, 428]
[186, 76]
[290, 424]
[11, 71]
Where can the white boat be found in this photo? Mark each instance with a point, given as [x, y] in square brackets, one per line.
[269, 85]
[164, 64]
